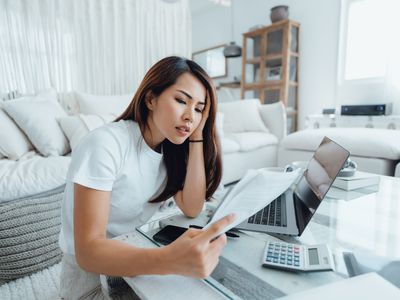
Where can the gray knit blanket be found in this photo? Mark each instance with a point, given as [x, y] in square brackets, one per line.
[29, 229]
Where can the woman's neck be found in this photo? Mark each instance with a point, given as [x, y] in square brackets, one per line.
[152, 137]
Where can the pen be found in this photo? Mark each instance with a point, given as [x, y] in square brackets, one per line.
[228, 233]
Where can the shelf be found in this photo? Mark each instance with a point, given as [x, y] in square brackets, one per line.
[255, 60]
[253, 86]
[267, 83]
[232, 85]
[270, 66]
[273, 56]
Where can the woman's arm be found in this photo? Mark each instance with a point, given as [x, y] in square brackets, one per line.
[192, 254]
[94, 252]
[191, 199]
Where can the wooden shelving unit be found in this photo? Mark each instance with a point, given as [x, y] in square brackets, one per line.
[270, 66]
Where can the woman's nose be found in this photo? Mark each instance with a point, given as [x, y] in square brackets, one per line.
[188, 116]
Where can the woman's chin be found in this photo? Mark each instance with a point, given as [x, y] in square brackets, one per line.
[177, 140]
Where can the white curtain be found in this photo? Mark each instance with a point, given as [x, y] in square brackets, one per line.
[94, 46]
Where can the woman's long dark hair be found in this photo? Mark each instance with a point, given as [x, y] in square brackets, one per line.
[161, 76]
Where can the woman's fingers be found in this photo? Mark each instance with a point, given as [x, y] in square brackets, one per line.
[217, 228]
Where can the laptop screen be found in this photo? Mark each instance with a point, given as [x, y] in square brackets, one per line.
[321, 171]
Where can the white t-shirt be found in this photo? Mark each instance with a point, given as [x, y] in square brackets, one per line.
[114, 158]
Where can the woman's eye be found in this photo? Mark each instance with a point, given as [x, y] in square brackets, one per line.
[180, 101]
[198, 110]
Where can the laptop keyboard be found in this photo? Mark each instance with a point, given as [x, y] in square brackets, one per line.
[274, 214]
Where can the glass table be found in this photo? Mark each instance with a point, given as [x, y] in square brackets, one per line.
[365, 221]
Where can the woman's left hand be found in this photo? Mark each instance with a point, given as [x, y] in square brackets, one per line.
[198, 132]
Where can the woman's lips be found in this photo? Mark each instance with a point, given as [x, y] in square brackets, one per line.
[182, 131]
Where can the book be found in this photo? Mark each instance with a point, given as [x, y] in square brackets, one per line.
[358, 180]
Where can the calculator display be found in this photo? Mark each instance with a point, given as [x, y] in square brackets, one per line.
[313, 256]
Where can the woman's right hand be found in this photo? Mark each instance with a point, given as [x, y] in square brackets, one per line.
[196, 253]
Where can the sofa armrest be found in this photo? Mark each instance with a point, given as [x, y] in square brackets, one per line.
[274, 117]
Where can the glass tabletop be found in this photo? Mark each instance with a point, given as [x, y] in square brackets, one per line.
[363, 221]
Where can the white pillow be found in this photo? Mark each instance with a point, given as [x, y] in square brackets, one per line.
[13, 142]
[76, 127]
[102, 105]
[38, 119]
[242, 116]
[69, 102]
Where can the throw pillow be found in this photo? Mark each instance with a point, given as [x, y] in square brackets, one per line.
[242, 116]
[13, 142]
[102, 105]
[38, 119]
[76, 127]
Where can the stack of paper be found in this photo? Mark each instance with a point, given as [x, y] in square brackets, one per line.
[255, 190]
[358, 180]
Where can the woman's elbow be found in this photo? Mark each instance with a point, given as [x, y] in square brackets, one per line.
[193, 213]
[82, 256]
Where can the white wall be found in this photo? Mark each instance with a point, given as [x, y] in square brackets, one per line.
[319, 38]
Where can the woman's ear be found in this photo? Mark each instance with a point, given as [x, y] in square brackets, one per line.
[149, 100]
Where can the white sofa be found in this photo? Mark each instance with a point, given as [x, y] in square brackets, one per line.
[374, 150]
[250, 136]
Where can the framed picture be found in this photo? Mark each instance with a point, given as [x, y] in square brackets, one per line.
[274, 73]
[212, 60]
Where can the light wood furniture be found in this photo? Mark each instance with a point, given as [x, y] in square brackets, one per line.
[270, 66]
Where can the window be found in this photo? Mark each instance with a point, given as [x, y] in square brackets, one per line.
[369, 29]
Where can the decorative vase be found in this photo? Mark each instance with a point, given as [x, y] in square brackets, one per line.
[278, 13]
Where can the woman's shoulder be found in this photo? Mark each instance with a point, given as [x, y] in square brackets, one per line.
[111, 135]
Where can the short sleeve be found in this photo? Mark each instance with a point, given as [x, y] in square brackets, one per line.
[97, 160]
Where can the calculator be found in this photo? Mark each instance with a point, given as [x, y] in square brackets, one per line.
[293, 257]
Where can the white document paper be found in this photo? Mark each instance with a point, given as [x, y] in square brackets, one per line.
[255, 190]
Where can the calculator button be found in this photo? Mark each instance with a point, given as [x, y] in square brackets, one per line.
[275, 260]
[296, 264]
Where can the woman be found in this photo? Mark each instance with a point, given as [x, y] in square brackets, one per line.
[163, 145]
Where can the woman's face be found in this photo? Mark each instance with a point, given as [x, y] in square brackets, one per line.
[177, 111]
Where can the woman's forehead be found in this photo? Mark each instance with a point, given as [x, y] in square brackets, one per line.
[191, 86]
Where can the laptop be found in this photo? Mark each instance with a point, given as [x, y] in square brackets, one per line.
[291, 212]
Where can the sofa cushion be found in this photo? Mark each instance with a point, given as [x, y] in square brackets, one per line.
[249, 141]
[38, 119]
[13, 142]
[242, 116]
[229, 146]
[103, 104]
[367, 142]
[77, 127]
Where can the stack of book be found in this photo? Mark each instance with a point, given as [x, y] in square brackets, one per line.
[357, 181]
